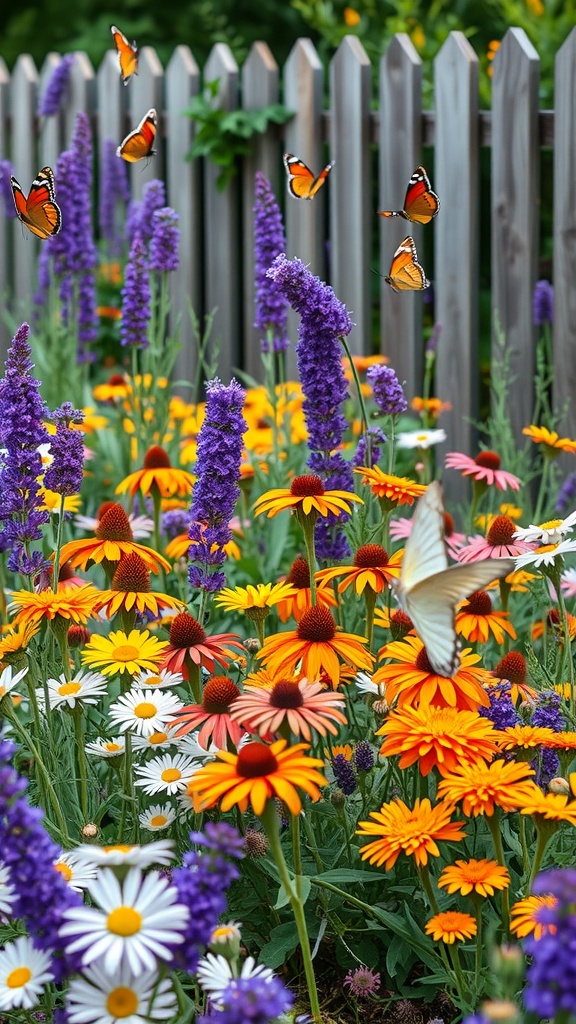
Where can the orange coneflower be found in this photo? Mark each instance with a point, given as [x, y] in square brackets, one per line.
[319, 643]
[478, 876]
[180, 546]
[372, 568]
[130, 590]
[412, 680]
[483, 787]
[551, 442]
[396, 490]
[158, 473]
[307, 496]
[413, 831]
[213, 714]
[189, 645]
[294, 605]
[302, 705]
[399, 624]
[477, 619]
[437, 738]
[525, 916]
[77, 604]
[113, 540]
[450, 925]
[512, 668]
[258, 773]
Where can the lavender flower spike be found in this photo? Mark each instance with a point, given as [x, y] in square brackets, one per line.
[165, 239]
[64, 475]
[219, 454]
[269, 242]
[53, 95]
[114, 191]
[387, 390]
[6, 172]
[543, 303]
[136, 312]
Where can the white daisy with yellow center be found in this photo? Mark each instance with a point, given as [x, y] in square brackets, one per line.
[545, 555]
[157, 817]
[24, 971]
[124, 855]
[132, 924]
[77, 872]
[550, 532]
[114, 747]
[7, 891]
[161, 678]
[215, 972]
[144, 711]
[160, 740]
[420, 438]
[101, 998]
[169, 773]
[83, 688]
[9, 679]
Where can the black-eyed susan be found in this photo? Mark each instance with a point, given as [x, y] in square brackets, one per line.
[437, 737]
[552, 444]
[130, 591]
[256, 774]
[372, 568]
[414, 831]
[451, 925]
[481, 788]
[114, 390]
[319, 643]
[295, 604]
[158, 474]
[121, 652]
[474, 876]
[410, 678]
[76, 604]
[392, 490]
[477, 619]
[306, 496]
[112, 540]
[530, 916]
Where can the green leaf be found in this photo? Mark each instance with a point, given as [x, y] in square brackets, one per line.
[283, 897]
[342, 875]
[283, 942]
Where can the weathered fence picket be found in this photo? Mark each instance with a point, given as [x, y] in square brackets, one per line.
[334, 234]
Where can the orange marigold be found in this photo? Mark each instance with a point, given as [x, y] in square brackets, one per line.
[413, 831]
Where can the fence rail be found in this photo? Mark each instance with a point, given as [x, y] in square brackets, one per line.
[216, 227]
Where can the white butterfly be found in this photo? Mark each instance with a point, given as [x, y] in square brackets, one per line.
[429, 589]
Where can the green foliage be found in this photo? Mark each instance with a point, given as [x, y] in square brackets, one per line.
[223, 135]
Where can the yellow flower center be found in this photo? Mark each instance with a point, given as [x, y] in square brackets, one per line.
[121, 847]
[545, 548]
[159, 820]
[153, 681]
[171, 775]
[67, 688]
[19, 977]
[145, 709]
[157, 737]
[552, 525]
[122, 1002]
[112, 747]
[64, 869]
[124, 921]
[125, 653]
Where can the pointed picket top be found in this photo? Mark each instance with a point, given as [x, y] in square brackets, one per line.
[515, 211]
[182, 82]
[23, 100]
[349, 186]
[146, 90]
[222, 228]
[564, 256]
[112, 101]
[260, 88]
[456, 236]
[81, 93]
[5, 218]
[400, 142]
[51, 135]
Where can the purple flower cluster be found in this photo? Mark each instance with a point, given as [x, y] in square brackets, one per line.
[323, 321]
[218, 458]
[251, 1001]
[29, 853]
[140, 214]
[21, 432]
[547, 715]
[175, 521]
[6, 173]
[551, 979]
[114, 193]
[64, 475]
[49, 102]
[344, 774]
[136, 311]
[501, 711]
[202, 883]
[363, 756]
[165, 239]
[543, 303]
[566, 494]
[387, 390]
[269, 242]
[377, 437]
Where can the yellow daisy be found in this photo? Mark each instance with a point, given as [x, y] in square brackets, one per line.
[121, 652]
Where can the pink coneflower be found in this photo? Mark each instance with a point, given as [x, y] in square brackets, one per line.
[485, 467]
[214, 711]
[362, 981]
[302, 705]
[401, 528]
[497, 544]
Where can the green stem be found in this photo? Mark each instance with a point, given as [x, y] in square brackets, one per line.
[195, 680]
[493, 821]
[370, 601]
[361, 403]
[567, 652]
[391, 445]
[269, 819]
[311, 838]
[127, 787]
[461, 986]
[308, 524]
[424, 875]
[478, 954]
[59, 532]
[544, 835]
[58, 816]
[78, 716]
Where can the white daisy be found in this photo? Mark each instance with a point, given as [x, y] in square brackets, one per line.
[545, 555]
[9, 679]
[134, 923]
[102, 998]
[46, 455]
[227, 932]
[76, 871]
[7, 891]
[188, 744]
[156, 741]
[160, 852]
[24, 971]
[169, 773]
[83, 688]
[214, 973]
[550, 532]
[163, 677]
[186, 806]
[420, 438]
[157, 817]
[142, 526]
[144, 711]
[107, 748]
[365, 684]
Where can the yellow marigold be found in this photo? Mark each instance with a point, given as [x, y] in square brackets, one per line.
[16, 637]
[551, 441]
[123, 652]
[242, 599]
[414, 831]
[77, 604]
[549, 806]
[524, 737]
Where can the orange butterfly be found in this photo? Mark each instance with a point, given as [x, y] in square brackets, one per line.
[301, 182]
[421, 203]
[139, 144]
[39, 211]
[406, 274]
[127, 54]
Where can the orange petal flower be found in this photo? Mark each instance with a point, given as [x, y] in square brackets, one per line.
[304, 706]
[477, 619]
[372, 568]
[525, 920]
[437, 737]
[158, 472]
[75, 603]
[481, 788]
[189, 641]
[478, 876]
[411, 678]
[451, 925]
[112, 541]
[307, 495]
[398, 490]
[415, 832]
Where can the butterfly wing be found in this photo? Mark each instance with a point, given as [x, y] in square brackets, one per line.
[127, 54]
[425, 552]
[421, 203]
[139, 144]
[39, 210]
[301, 181]
[406, 273]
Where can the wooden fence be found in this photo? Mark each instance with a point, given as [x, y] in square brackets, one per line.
[216, 227]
